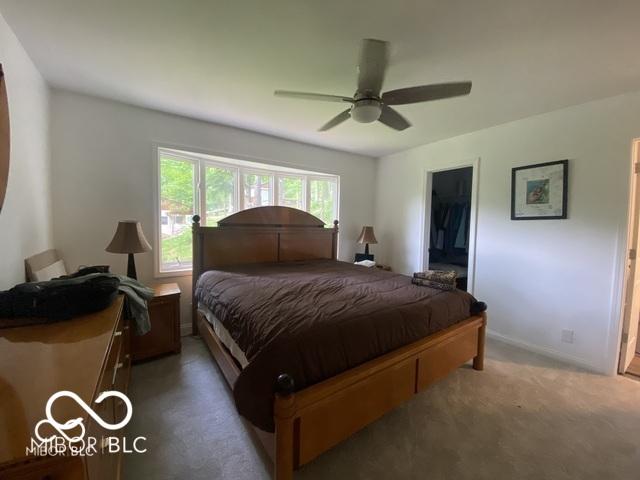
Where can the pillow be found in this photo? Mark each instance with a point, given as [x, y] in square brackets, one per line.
[54, 270]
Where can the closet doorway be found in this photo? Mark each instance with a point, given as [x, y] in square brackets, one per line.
[450, 221]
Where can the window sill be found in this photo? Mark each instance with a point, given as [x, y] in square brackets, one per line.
[174, 273]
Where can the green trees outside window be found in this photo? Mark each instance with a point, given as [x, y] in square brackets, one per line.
[191, 185]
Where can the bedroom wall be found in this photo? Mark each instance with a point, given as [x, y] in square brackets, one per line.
[25, 220]
[103, 171]
[537, 277]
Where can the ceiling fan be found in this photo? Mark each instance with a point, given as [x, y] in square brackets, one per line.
[368, 104]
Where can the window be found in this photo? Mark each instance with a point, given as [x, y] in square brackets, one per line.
[177, 199]
[257, 190]
[323, 198]
[215, 187]
[220, 187]
[291, 192]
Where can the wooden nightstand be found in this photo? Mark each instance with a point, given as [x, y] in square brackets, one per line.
[164, 313]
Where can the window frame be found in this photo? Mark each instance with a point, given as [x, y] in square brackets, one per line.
[236, 165]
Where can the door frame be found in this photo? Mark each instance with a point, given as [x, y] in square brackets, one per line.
[630, 254]
[473, 221]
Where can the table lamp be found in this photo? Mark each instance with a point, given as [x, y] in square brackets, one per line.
[129, 239]
[366, 236]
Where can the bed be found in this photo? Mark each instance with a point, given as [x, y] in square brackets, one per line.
[313, 348]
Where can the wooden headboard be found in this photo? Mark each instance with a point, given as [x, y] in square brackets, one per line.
[262, 234]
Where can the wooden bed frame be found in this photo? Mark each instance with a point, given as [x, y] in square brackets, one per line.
[311, 421]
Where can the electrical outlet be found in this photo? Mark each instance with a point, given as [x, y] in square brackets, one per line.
[567, 336]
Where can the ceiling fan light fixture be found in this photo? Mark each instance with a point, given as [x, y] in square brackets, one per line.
[369, 103]
[366, 111]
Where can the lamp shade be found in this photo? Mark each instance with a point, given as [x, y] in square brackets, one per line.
[129, 238]
[367, 236]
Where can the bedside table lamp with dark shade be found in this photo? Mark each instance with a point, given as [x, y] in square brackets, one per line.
[129, 239]
[366, 236]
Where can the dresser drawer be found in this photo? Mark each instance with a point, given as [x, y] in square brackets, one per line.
[110, 366]
[52, 468]
[104, 465]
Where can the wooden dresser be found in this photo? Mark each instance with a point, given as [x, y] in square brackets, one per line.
[86, 355]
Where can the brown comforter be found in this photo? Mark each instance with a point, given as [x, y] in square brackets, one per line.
[316, 319]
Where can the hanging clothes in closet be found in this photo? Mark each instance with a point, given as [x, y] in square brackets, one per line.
[450, 225]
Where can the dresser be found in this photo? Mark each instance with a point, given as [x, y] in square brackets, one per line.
[86, 355]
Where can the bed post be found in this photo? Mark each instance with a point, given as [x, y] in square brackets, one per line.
[284, 415]
[195, 273]
[478, 360]
[334, 251]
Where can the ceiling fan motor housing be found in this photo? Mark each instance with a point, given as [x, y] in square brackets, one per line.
[366, 110]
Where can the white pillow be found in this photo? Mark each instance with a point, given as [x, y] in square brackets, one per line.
[54, 270]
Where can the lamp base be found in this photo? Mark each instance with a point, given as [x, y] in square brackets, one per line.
[131, 267]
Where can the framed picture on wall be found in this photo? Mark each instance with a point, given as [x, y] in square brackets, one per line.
[539, 192]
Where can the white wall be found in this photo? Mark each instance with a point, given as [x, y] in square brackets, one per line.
[537, 277]
[25, 220]
[103, 171]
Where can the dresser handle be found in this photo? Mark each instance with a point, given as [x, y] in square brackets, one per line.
[118, 366]
[115, 372]
[117, 333]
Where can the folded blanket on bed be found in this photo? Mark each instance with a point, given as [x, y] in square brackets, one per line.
[432, 284]
[442, 280]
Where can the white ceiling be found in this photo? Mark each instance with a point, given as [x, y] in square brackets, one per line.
[221, 60]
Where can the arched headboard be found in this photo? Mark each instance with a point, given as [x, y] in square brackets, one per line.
[259, 235]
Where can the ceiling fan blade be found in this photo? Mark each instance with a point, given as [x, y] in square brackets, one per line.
[393, 119]
[425, 93]
[337, 120]
[372, 64]
[312, 96]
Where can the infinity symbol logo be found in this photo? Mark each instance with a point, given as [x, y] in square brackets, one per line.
[78, 422]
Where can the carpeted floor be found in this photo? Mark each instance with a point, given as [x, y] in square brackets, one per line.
[524, 417]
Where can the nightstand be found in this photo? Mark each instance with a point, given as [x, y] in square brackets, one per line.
[164, 314]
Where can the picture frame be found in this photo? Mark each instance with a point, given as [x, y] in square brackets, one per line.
[539, 191]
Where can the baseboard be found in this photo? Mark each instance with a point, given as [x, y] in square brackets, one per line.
[185, 329]
[546, 351]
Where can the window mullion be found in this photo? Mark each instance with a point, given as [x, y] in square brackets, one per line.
[241, 187]
[201, 190]
[305, 188]
[275, 190]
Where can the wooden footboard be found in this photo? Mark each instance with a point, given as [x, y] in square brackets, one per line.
[313, 420]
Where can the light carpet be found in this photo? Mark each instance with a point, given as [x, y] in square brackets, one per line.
[524, 417]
